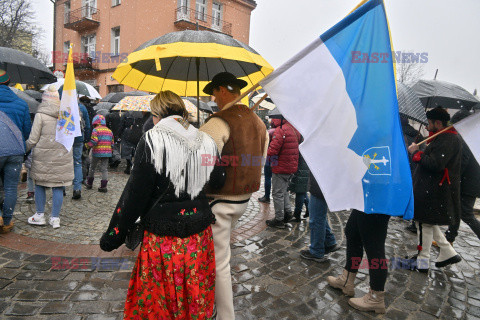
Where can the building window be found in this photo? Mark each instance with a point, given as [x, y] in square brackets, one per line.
[89, 8]
[217, 16]
[66, 49]
[89, 44]
[115, 41]
[183, 12]
[115, 88]
[201, 9]
[116, 2]
[66, 8]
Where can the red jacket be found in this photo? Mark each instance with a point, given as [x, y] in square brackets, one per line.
[284, 145]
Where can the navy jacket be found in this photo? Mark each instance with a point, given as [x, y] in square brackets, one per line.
[86, 129]
[16, 109]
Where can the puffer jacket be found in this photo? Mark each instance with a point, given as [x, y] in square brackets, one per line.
[284, 145]
[52, 164]
[16, 109]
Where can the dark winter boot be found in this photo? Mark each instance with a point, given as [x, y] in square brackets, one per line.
[103, 186]
[297, 216]
[128, 168]
[89, 183]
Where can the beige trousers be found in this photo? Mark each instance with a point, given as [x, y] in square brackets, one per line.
[428, 233]
[226, 214]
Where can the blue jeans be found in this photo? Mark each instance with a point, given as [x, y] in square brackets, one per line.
[267, 171]
[41, 199]
[300, 199]
[11, 167]
[77, 166]
[321, 235]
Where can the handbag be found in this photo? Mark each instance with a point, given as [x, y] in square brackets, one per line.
[135, 235]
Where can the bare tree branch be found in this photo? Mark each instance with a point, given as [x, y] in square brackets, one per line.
[18, 27]
[409, 72]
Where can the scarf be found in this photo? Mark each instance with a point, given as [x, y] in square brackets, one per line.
[176, 150]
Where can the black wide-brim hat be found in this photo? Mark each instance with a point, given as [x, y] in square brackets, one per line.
[223, 79]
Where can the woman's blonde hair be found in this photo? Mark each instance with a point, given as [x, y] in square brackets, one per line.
[167, 103]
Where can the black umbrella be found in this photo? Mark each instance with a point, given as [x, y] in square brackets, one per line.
[203, 105]
[34, 94]
[32, 103]
[213, 105]
[275, 113]
[117, 96]
[409, 104]
[433, 93]
[104, 106]
[23, 68]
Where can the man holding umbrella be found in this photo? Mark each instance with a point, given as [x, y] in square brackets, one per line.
[15, 118]
[242, 139]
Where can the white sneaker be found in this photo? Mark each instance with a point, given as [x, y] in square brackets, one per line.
[37, 219]
[55, 222]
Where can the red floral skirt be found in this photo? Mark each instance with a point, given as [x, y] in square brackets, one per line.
[173, 278]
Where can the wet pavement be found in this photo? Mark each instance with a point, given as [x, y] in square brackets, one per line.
[62, 274]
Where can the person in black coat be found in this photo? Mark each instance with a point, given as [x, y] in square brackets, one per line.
[299, 185]
[436, 189]
[469, 188]
[114, 123]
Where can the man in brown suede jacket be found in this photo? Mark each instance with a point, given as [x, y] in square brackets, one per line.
[242, 140]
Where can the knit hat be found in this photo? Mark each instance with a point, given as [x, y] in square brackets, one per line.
[4, 78]
[51, 95]
[438, 114]
[98, 120]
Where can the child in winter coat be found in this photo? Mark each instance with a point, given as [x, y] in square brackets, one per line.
[101, 143]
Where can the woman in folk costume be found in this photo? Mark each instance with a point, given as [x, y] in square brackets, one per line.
[174, 275]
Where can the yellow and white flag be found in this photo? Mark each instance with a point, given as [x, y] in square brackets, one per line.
[68, 122]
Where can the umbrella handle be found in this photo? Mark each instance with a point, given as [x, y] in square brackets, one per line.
[260, 101]
[243, 95]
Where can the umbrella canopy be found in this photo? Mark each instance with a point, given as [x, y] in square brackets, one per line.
[170, 62]
[23, 68]
[117, 96]
[34, 94]
[409, 104]
[266, 104]
[83, 88]
[213, 105]
[104, 106]
[12, 140]
[434, 93]
[203, 105]
[32, 103]
[142, 103]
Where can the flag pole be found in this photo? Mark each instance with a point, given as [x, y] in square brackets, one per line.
[436, 134]
[260, 101]
[243, 95]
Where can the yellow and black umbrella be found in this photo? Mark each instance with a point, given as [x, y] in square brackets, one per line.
[185, 61]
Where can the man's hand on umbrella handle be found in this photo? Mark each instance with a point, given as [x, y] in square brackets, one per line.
[413, 147]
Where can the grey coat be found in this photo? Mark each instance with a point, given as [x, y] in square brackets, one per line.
[52, 164]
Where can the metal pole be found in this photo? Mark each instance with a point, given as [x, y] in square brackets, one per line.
[435, 77]
[197, 62]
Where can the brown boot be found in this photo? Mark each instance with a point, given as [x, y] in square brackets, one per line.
[6, 229]
[345, 281]
[372, 301]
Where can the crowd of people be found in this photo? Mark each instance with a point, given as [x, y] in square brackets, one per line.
[184, 210]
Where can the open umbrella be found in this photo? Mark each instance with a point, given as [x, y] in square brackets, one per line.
[267, 103]
[275, 113]
[83, 88]
[203, 105]
[213, 105]
[434, 93]
[117, 96]
[12, 140]
[104, 106]
[185, 61]
[34, 94]
[23, 68]
[32, 103]
[409, 104]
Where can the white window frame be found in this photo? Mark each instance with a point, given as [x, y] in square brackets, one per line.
[201, 10]
[89, 44]
[90, 8]
[66, 49]
[183, 12]
[115, 44]
[116, 3]
[217, 16]
[66, 12]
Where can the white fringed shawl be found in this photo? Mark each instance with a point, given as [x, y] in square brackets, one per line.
[183, 150]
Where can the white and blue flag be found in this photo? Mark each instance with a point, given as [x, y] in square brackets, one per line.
[340, 93]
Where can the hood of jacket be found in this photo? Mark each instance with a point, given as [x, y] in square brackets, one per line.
[48, 108]
[278, 122]
[99, 120]
[7, 95]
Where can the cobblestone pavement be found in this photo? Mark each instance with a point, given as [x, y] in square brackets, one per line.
[61, 274]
